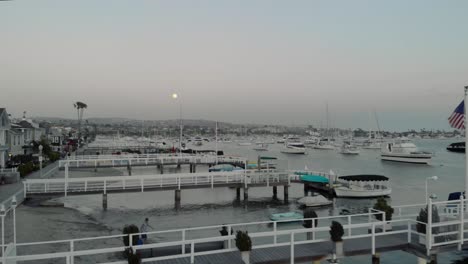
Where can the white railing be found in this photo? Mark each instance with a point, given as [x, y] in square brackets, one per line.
[19, 195]
[140, 183]
[265, 234]
[124, 160]
[3, 170]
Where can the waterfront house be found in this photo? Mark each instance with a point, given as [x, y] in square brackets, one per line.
[15, 140]
[4, 127]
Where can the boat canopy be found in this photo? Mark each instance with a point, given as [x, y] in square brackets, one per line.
[313, 178]
[363, 177]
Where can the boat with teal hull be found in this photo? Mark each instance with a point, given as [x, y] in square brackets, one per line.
[287, 216]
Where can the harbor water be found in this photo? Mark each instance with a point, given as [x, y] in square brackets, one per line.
[202, 207]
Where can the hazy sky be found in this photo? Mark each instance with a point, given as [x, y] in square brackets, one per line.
[237, 61]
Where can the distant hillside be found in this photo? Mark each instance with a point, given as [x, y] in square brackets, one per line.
[120, 120]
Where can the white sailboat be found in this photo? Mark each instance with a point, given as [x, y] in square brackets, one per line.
[325, 143]
[375, 140]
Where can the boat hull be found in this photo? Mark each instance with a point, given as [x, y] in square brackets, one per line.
[416, 159]
[293, 151]
[345, 192]
[350, 152]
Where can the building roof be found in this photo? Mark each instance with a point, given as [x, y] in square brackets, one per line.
[26, 124]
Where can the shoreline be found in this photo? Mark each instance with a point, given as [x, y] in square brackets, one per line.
[60, 223]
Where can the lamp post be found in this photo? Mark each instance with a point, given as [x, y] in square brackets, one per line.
[175, 96]
[40, 158]
[434, 178]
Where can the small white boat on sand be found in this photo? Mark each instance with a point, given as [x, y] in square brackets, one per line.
[315, 200]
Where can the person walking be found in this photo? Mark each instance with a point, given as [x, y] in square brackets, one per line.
[144, 229]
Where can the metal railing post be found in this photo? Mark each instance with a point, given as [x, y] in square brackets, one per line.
[274, 230]
[429, 228]
[461, 211]
[292, 248]
[192, 252]
[229, 233]
[72, 249]
[183, 241]
[313, 229]
[373, 238]
[349, 225]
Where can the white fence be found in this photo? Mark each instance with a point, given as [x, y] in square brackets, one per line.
[448, 229]
[3, 170]
[145, 159]
[265, 234]
[140, 183]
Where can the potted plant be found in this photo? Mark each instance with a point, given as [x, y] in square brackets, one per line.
[422, 218]
[382, 205]
[336, 234]
[128, 230]
[132, 258]
[310, 214]
[244, 244]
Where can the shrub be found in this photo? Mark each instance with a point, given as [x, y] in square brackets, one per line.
[423, 216]
[130, 229]
[53, 156]
[26, 168]
[336, 231]
[310, 213]
[382, 205]
[243, 241]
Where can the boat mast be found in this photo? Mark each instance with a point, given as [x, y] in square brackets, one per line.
[377, 121]
[216, 144]
[328, 125]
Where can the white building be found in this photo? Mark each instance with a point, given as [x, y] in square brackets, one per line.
[4, 127]
[16, 140]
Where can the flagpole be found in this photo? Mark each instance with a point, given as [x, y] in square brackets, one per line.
[466, 142]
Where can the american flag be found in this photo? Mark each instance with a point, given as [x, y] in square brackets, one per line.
[457, 119]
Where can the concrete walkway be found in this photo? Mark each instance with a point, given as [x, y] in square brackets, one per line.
[8, 190]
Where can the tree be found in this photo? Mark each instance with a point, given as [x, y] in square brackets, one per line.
[80, 107]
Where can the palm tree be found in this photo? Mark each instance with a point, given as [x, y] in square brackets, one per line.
[80, 107]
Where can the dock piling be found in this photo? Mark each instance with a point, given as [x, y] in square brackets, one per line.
[246, 194]
[104, 201]
[286, 193]
[275, 192]
[376, 259]
[238, 193]
[177, 196]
